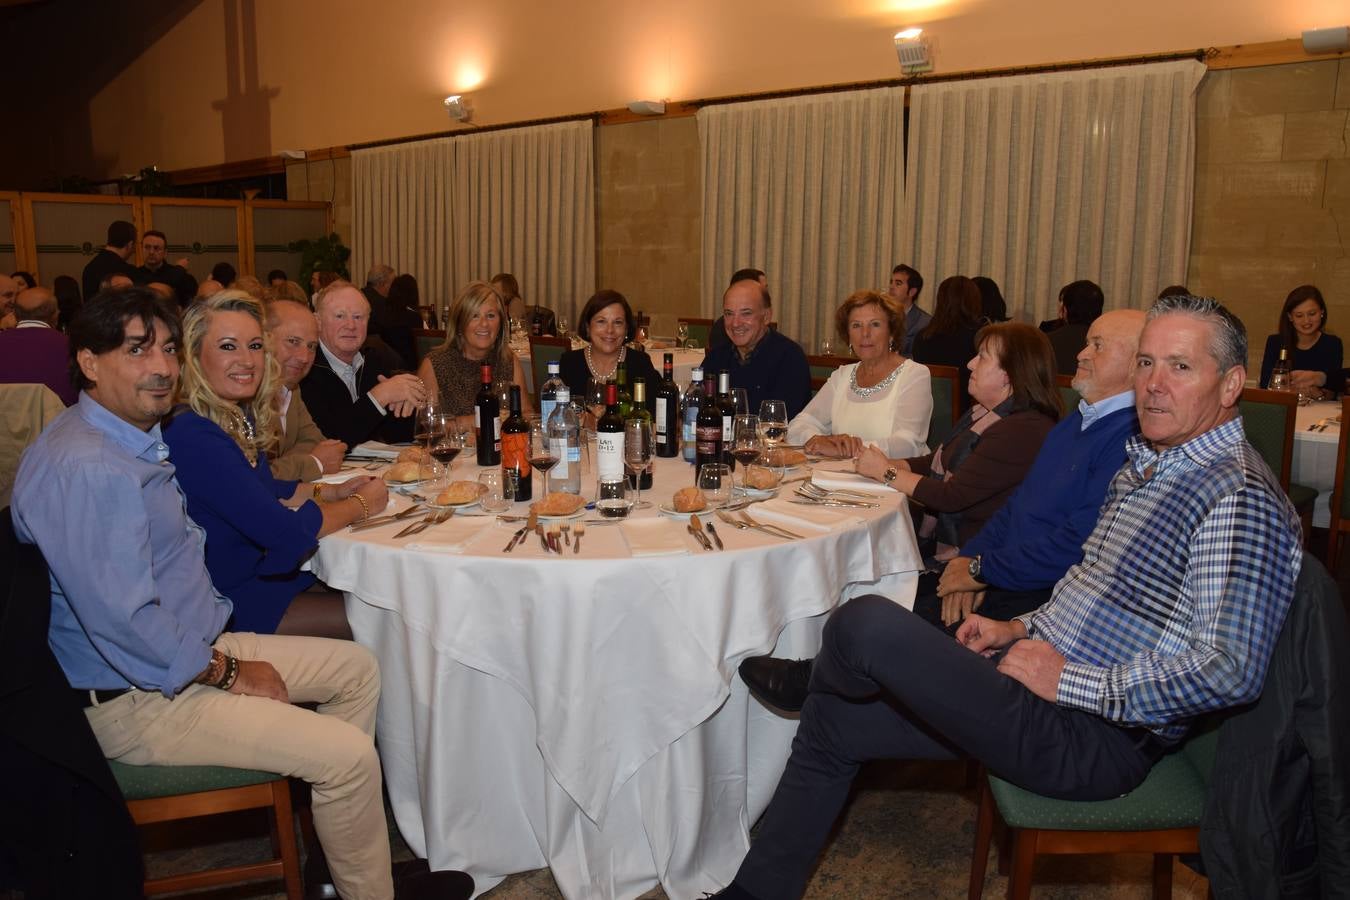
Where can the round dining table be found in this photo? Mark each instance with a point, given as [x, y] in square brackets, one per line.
[581, 710]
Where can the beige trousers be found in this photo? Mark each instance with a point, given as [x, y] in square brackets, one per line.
[332, 749]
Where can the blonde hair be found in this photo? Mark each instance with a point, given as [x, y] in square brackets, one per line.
[333, 287]
[249, 285]
[473, 297]
[198, 394]
[287, 290]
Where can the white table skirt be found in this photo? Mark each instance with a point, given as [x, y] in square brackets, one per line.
[584, 713]
[1314, 462]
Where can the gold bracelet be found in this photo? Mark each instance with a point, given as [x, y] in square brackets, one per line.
[365, 507]
[317, 489]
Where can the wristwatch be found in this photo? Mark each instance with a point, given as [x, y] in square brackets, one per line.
[974, 570]
[889, 475]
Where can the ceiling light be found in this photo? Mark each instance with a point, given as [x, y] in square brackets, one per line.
[914, 51]
[647, 107]
[457, 105]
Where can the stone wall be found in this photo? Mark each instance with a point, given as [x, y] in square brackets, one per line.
[1272, 197]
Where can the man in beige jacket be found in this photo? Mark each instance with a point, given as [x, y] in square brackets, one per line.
[304, 453]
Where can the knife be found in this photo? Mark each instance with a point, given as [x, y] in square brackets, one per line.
[713, 531]
[697, 531]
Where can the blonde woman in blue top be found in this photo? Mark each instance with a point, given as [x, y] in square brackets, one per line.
[258, 530]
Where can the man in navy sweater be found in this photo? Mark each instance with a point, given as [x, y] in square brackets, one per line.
[768, 365]
[1010, 566]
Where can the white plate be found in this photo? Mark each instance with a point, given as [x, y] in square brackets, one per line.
[756, 493]
[581, 513]
[434, 505]
[706, 512]
[407, 487]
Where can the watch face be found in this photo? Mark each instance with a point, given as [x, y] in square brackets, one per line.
[975, 568]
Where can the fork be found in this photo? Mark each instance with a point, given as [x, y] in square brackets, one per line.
[567, 533]
[435, 519]
[423, 521]
[770, 529]
[576, 545]
[818, 491]
[742, 526]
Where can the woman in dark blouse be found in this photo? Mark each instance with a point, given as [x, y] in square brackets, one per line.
[1315, 357]
[949, 339]
[606, 322]
[258, 529]
[474, 335]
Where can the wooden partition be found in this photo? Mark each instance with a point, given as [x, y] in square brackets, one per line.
[57, 234]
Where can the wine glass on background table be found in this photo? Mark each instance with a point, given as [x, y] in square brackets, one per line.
[564, 326]
[773, 424]
[746, 444]
[638, 447]
[682, 335]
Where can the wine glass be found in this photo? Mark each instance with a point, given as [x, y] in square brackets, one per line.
[746, 444]
[682, 333]
[637, 453]
[714, 480]
[427, 414]
[542, 458]
[564, 326]
[446, 444]
[741, 401]
[826, 347]
[773, 423]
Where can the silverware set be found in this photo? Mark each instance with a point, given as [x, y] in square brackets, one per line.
[745, 523]
[817, 496]
[435, 518]
[696, 529]
[1321, 424]
[385, 520]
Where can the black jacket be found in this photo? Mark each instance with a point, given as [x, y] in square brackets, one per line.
[104, 264]
[1277, 822]
[339, 417]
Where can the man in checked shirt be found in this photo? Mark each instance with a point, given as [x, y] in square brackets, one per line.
[1173, 612]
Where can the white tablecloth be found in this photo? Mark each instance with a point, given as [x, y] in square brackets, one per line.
[583, 712]
[1314, 461]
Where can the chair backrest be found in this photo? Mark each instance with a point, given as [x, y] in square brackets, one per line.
[427, 339]
[1268, 419]
[1340, 498]
[699, 329]
[544, 350]
[823, 366]
[1067, 395]
[25, 409]
[946, 386]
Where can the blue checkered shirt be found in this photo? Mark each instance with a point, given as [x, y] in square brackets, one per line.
[1183, 588]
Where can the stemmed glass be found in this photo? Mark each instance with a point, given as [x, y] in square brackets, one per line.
[428, 414]
[564, 326]
[746, 444]
[773, 423]
[542, 458]
[637, 453]
[682, 333]
[445, 444]
[741, 400]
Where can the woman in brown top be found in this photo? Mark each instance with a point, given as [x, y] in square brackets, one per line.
[473, 335]
[965, 481]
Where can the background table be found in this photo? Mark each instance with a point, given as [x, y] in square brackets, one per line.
[1314, 462]
[685, 361]
[584, 712]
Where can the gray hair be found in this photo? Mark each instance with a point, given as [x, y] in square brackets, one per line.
[379, 274]
[1229, 347]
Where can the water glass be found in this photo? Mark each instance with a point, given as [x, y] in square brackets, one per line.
[618, 504]
[492, 500]
[714, 480]
[826, 347]
[682, 334]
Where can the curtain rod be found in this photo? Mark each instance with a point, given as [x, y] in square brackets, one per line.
[970, 75]
[473, 129]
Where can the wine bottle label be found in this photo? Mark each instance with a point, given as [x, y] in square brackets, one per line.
[726, 429]
[516, 453]
[609, 455]
[557, 447]
[660, 420]
[708, 438]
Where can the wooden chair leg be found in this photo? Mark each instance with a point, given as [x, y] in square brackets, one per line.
[984, 829]
[284, 826]
[1005, 841]
[1162, 876]
[1023, 859]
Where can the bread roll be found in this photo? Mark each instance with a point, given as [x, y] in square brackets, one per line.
[785, 457]
[689, 499]
[558, 504]
[760, 478]
[414, 454]
[403, 473]
[457, 493]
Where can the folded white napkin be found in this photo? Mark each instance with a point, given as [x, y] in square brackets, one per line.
[849, 481]
[451, 536]
[656, 537]
[798, 517]
[374, 450]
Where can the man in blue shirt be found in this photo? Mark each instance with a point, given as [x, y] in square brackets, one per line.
[137, 626]
[768, 365]
[906, 284]
[1173, 612]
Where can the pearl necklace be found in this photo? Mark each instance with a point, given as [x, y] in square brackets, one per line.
[876, 388]
[596, 376]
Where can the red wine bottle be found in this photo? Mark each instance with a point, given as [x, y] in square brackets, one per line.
[609, 471]
[708, 428]
[666, 415]
[487, 410]
[517, 478]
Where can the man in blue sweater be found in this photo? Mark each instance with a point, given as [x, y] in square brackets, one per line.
[1010, 566]
[768, 365]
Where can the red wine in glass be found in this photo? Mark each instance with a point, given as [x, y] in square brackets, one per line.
[543, 463]
[445, 453]
[746, 456]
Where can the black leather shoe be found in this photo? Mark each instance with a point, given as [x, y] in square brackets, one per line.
[318, 883]
[414, 880]
[780, 683]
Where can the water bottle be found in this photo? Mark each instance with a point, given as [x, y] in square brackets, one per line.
[1279, 373]
[564, 439]
[693, 399]
[548, 392]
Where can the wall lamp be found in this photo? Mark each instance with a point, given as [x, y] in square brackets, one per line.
[457, 105]
[916, 56]
[1327, 40]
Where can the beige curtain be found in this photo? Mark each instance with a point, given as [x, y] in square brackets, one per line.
[809, 189]
[525, 204]
[1039, 180]
[456, 209]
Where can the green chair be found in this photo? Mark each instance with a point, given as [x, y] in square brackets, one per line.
[946, 387]
[1161, 816]
[169, 793]
[822, 367]
[1340, 498]
[1268, 418]
[425, 340]
[544, 350]
[699, 329]
[1067, 395]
